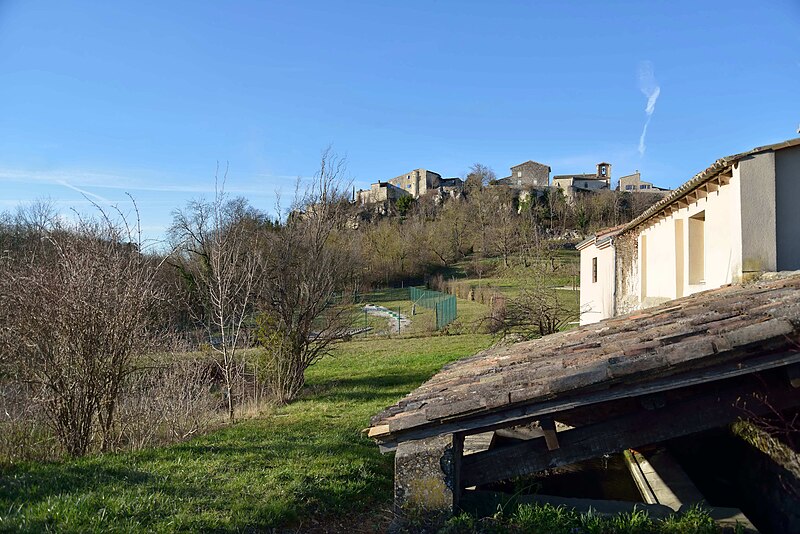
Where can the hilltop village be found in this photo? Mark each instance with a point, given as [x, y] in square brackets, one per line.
[526, 178]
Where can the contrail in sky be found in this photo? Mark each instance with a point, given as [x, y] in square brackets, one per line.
[649, 88]
[84, 192]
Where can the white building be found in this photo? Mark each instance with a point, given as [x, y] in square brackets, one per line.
[633, 183]
[573, 184]
[736, 219]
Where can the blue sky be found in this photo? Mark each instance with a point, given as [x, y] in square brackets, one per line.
[103, 98]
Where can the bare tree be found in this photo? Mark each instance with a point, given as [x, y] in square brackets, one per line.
[75, 312]
[307, 281]
[217, 250]
[478, 177]
[538, 310]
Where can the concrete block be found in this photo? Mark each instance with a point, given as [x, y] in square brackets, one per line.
[426, 477]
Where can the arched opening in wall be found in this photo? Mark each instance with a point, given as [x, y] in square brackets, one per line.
[697, 264]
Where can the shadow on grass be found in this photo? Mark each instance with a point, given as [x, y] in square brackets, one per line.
[28, 483]
[366, 389]
[267, 480]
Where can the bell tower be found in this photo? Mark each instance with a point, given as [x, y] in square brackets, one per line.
[604, 172]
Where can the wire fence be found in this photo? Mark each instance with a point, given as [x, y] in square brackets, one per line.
[443, 304]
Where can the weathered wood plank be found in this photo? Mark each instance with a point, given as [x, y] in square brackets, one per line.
[548, 426]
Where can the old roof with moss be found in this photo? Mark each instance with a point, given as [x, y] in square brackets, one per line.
[726, 330]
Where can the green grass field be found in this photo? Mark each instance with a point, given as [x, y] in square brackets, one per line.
[298, 464]
[306, 467]
[302, 466]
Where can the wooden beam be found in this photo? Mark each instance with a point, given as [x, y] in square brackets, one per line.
[377, 431]
[548, 426]
[705, 411]
[712, 186]
[524, 413]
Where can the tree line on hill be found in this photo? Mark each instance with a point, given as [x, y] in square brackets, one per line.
[91, 322]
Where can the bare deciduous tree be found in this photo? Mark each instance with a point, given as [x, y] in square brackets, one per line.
[218, 252]
[308, 279]
[478, 176]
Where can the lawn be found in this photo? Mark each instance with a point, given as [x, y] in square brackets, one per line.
[301, 466]
[305, 466]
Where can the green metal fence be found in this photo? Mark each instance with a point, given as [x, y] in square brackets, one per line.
[443, 304]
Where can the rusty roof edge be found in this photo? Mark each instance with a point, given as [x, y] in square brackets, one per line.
[704, 176]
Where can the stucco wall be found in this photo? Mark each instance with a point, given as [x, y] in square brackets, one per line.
[670, 258]
[750, 224]
[597, 298]
[787, 194]
[757, 187]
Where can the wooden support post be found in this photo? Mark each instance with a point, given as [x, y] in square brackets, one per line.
[548, 426]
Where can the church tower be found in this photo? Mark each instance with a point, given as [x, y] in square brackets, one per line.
[604, 172]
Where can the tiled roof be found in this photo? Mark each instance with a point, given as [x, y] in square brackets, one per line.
[530, 161]
[590, 176]
[707, 175]
[726, 325]
[602, 235]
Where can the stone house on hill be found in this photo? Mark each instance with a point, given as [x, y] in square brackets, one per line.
[415, 183]
[379, 192]
[734, 220]
[528, 173]
[633, 183]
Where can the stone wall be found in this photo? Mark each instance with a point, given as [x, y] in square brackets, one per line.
[417, 182]
[626, 291]
[530, 173]
[379, 192]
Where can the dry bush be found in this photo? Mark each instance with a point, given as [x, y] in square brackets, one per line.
[74, 311]
[537, 311]
[24, 433]
[310, 272]
[168, 404]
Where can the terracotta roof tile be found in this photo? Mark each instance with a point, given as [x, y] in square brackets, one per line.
[695, 332]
